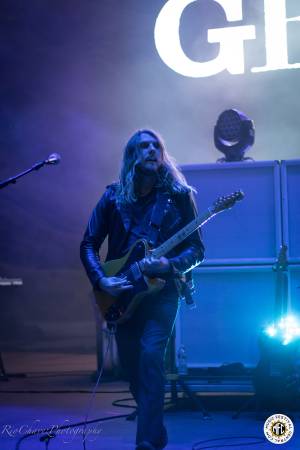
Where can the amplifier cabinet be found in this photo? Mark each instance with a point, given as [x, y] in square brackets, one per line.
[290, 184]
[233, 305]
[249, 233]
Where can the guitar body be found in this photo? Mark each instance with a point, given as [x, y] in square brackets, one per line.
[119, 309]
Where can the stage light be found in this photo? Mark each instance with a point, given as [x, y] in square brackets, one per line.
[233, 135]
[271, 331]
[277, 374]
[286, 330]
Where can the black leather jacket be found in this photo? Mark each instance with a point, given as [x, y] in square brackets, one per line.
[110, 220]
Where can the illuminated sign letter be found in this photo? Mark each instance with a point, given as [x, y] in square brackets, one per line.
[276, 37]
[231, 40]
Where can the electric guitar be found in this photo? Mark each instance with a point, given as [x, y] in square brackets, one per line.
[119, 309]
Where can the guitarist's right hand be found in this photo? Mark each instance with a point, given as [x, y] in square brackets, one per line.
[114, 285]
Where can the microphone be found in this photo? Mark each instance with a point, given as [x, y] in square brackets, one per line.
[54, 158]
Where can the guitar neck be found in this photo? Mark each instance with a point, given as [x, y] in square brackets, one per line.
[182, 234]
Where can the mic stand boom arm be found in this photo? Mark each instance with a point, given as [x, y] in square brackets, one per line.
[13, 180]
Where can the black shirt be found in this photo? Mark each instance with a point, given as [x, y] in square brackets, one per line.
[141, 212]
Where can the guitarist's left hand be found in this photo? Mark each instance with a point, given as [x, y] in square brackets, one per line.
[155, 266]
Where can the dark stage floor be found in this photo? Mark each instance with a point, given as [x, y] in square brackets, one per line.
[59, 395]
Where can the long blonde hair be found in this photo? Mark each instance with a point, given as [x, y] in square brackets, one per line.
[169, 176]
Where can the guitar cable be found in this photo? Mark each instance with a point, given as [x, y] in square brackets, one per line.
[255, 440]
[111, 331]
[49, 433]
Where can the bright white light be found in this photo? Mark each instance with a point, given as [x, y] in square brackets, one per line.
[287, 329]
[276, 37]
[287, 339]
[281, 324]
[271, 331]
[231, 40]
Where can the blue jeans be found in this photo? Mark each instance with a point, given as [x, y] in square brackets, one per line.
[142, 343]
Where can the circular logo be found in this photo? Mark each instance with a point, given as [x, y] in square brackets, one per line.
[278, 429]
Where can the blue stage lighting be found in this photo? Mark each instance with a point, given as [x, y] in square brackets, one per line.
[276, 377]
[286, 330]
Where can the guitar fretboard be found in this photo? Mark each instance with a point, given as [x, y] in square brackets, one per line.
[183, 234]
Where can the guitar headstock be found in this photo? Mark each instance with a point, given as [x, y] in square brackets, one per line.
[228, 201]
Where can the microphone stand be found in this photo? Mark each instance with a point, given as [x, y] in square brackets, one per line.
[177, 380]
[281, 269]
[12, 180]
[280, 308]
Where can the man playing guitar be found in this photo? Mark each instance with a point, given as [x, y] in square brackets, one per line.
[150, 202]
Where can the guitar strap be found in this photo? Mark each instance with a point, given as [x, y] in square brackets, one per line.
[157, 215]
[184, 283]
